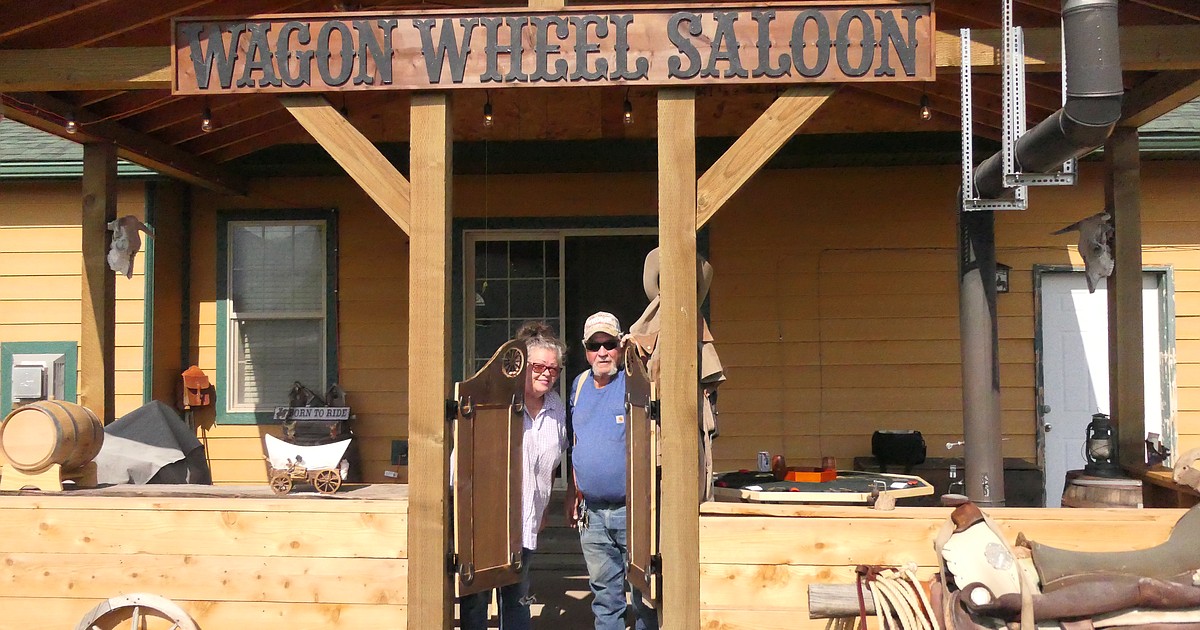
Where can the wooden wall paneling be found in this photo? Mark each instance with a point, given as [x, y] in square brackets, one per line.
[1122, 193]
[98, 307]
[272, 563]
[678, 343]
[430, 598]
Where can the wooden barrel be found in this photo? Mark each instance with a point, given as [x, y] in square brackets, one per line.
[1086, 491]
[48, 432]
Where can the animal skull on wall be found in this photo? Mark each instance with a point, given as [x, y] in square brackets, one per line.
[1095, 246]
[125, 243]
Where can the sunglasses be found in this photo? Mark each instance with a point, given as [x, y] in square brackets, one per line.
[593, 346]
[539, 368]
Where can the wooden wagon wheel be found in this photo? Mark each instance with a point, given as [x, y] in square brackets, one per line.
[327, 481]
[137, 611]
[281, 482]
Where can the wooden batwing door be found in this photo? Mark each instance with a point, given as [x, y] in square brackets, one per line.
[643, 475]
[488, 429]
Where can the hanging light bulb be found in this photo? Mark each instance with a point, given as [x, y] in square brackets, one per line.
[628, 109]
[926, 114]
[206, 122]
[71, 125]
[487, 113]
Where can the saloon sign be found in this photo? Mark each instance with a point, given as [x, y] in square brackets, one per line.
[837, 42]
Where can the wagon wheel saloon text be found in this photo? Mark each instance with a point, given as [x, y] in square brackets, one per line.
[658, 46]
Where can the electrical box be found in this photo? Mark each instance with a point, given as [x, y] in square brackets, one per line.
[38, 377]
[29, 382]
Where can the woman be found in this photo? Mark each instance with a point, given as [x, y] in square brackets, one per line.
[545, 440]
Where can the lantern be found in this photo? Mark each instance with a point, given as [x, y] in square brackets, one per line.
[1101, 451]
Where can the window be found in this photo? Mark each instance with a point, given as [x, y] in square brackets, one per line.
[276, 312]
[515, 280]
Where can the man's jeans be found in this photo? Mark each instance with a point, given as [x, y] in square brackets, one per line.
[514, 603]
[605, 551]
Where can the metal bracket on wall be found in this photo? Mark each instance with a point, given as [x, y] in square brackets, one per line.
[1012, 125]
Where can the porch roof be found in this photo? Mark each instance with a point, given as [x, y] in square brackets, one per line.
[162, 132]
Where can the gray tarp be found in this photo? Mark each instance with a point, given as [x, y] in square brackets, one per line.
[151, 444]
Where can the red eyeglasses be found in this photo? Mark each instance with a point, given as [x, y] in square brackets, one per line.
[539, 368]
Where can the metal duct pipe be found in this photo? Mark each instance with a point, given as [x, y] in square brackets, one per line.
[1093, 103]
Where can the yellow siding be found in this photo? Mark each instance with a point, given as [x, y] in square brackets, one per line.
[835, 302]
[40, 278]
[835, 305]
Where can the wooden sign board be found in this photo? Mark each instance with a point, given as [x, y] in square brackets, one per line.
[661, 45]
[312, 413]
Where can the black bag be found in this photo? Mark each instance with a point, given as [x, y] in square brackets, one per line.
[898, 448]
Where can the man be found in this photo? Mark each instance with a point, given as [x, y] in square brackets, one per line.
[599, 470]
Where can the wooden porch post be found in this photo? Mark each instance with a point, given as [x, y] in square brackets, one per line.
[680, 365]
[430, 593]
[1127, 385]
[98, 304]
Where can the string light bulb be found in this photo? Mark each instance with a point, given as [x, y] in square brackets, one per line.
[628, 109]
[926, 113]
[72, 126]
[206, 122]
[487, 112]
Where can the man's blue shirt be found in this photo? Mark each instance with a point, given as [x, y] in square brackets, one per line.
[598, 456]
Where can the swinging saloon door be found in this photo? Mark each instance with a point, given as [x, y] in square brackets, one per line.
[642, 479]
[487, 471]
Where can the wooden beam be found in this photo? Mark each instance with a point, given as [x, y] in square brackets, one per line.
[751, 151]
[97, 336]
[679, 379]
[1142, 48]
[357, 155]
[64, 69]
[33, 15]
[48, 114]
[430, 597]
[1182, 8]
[1127, 390]
[1159, 95]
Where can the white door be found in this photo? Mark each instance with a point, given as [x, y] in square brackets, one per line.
[1075, 368]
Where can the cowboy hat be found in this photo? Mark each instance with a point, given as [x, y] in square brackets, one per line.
[704, 274]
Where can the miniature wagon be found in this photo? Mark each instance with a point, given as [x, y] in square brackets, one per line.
[323, 466]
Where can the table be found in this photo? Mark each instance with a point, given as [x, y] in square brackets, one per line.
[851, 486]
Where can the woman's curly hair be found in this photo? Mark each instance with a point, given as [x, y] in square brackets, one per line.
[538, 334]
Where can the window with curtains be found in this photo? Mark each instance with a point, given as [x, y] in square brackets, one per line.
[277, 312]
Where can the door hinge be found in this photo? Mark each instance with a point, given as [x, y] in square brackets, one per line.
[653, 410]
[451, 409]
[655, 565]
[452, 563]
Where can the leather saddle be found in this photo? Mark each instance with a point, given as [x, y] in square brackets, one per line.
[1176, 560]
[986, 583]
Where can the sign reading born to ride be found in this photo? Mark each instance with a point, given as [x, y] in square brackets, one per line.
[658, 45]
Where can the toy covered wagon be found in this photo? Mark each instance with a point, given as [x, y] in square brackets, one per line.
[324, 466]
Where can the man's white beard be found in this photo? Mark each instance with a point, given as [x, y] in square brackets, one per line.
[610, 372]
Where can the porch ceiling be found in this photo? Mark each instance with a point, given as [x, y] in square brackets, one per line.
[162, 131]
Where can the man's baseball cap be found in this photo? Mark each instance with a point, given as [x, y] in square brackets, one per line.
[601, 323]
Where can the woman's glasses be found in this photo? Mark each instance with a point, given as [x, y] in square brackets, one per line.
[539, 368]
[593, 346]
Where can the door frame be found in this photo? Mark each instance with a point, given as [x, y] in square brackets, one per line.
[1166, 313]
[470, 236]
[636, 224]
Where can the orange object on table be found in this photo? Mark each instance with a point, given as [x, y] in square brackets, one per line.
[810, 474]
